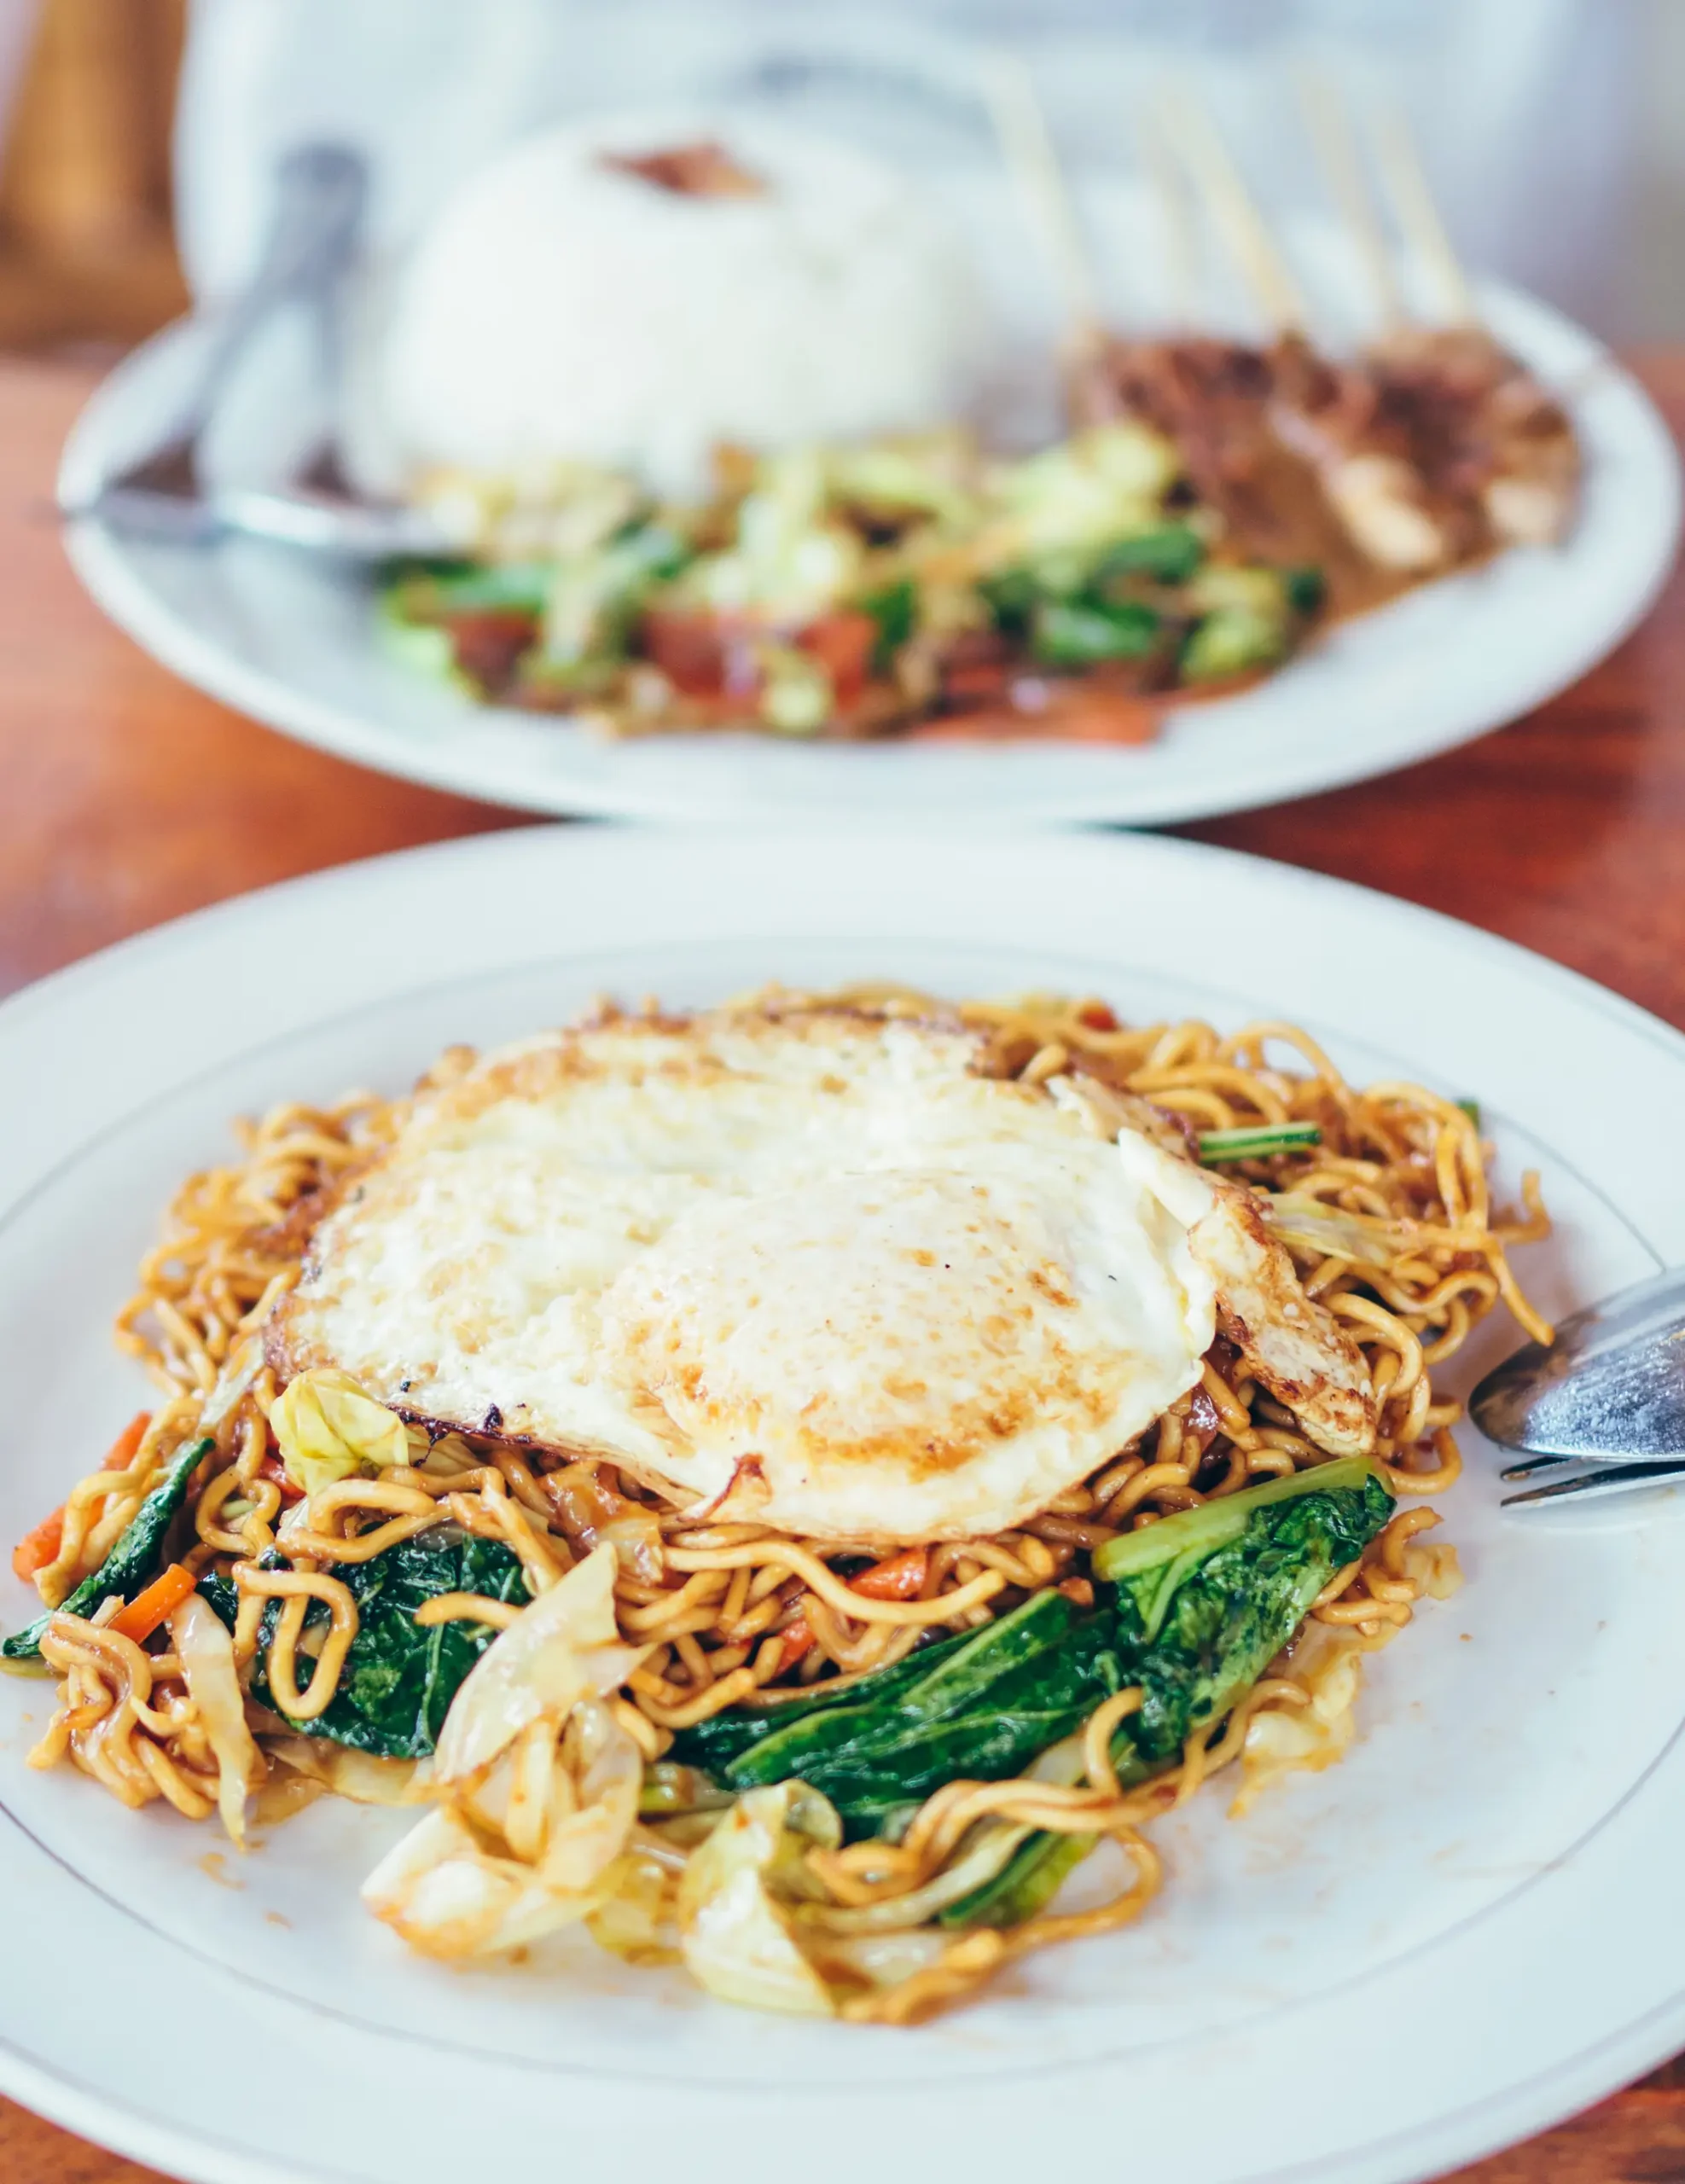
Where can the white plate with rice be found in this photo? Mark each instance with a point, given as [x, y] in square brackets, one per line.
[293, 641]
[1454, 1938]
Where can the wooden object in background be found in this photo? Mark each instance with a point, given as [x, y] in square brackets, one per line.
[86, 252]
[126, 798]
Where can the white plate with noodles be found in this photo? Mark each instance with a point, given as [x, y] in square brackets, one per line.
[1450, 1939]
[296, 641]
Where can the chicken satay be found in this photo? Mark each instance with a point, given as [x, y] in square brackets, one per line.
[1482, 429]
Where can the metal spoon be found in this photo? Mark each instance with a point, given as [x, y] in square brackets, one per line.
[321, 191]
[1610, 1389]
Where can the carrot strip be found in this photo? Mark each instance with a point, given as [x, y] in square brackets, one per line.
[155, 1604]
[276, 1472]
[798, 1641]
[900, 1578]
[121, 1453]
[36, 1549]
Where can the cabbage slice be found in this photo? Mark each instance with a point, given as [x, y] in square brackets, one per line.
[205, 1652]
[329, 1429]
[562, 1647]
[737, 1941]
[535, 1780]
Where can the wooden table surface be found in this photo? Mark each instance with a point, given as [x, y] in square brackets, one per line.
[126, 798]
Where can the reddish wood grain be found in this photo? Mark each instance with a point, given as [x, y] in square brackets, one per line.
[126, 798]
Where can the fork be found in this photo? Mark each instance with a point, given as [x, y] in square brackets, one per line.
[321, 190]
[1603, 1407]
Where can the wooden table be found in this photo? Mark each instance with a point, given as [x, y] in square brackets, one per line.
[126, 798]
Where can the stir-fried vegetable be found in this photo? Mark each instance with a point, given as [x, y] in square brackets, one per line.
[983, 1706]
[564, 1647]
[205, 1652]
[155, 1606]
[738, 1940]
[1256, 1141]
[537, 1783]
[328, 1429]
[1202, 1603]
[855, 588]
[1307, 1224]
[39, 1546]
[133, 1562]
[399, 1676]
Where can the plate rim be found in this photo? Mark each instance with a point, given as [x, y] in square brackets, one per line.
[1479, 2127]
[354, 873]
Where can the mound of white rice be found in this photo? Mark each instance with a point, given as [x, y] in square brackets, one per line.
[562, 309]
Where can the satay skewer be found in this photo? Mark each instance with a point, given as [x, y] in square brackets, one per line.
[1335, 141]
[1169, 185]
[1026, 145]
[1418, 218]
[1218, 179]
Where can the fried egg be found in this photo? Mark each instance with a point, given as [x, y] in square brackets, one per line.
[816, 1270]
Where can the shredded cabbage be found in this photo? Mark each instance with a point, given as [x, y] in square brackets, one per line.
[737, 1942]
[1295, 1218]
[536, 1781]
[563, 1647]
[205, 1652]
[1281, 1741]
[329, 1429]
[363, 1776]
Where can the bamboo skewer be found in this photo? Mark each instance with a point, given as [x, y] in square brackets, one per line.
[1182, 234]
[1020, 126]
[1216, 176]
[1335, 140]
[1418, 216]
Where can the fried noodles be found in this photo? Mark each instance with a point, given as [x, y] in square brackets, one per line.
[1389, 1226]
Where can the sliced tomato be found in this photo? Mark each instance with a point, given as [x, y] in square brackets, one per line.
[843, 643]
[702, 655]
[487, 643]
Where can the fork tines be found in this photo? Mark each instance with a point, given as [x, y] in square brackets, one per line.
[1603, 1479]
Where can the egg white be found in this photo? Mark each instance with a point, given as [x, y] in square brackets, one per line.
[813, 1270]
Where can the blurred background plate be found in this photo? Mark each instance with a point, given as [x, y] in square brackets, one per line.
[292, 641]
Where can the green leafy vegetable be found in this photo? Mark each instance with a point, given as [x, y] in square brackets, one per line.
[1199, 1531]
[133, 1561]
[399, 1676]
[1472, 1109]
[1073, 633]
[1167, 554]
[427, 593]
[1232, 641]
[715, 1744]
[985, 1707]
[1010, 595]
[1204, 1602]
[1306, 589]
[1257, 1143]
[895, 609]
[1027, 1883]
[1202, 1613]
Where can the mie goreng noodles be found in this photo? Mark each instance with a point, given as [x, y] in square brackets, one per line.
[842, 1774]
